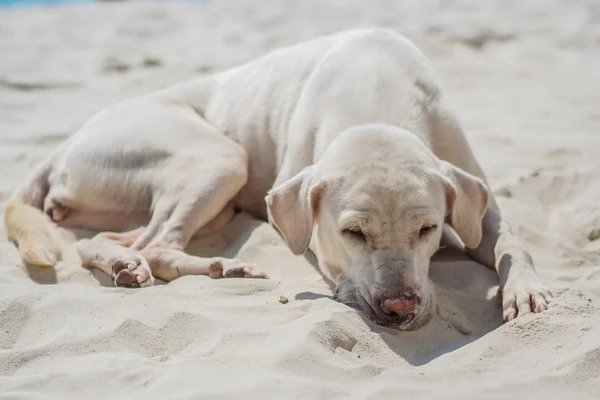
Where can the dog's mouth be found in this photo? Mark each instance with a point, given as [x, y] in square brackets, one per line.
[362, 301]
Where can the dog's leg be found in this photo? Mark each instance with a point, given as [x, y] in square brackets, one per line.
[169, 264]
[108, 252]
[521, 289]
[167, 259]
[194, 207]
[195, 192]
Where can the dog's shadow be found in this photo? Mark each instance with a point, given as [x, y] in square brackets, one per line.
[466, 309]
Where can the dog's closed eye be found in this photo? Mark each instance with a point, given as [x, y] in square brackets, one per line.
[426, 230]
[355, 234]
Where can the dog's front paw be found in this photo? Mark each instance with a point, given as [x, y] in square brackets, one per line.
[225, 268]
[523, 294]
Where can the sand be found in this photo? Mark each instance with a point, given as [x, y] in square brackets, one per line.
[525, 79]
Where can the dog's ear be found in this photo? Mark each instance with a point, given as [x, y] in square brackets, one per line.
[292, 207]
[466, 202]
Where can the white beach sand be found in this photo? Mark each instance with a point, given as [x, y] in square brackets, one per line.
[525, 78]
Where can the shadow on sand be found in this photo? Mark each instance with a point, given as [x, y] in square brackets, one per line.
[466, 309]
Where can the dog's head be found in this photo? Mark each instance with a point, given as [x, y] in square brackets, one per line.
[372, 209]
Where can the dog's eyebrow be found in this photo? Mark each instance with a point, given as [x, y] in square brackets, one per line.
[418, 210]
[415, 213]
[353, 217]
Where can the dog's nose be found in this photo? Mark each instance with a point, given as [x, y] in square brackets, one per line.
[401, 308]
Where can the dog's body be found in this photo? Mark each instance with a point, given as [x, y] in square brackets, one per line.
[350, 132]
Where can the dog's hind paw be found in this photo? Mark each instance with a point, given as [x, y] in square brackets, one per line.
[132, 272]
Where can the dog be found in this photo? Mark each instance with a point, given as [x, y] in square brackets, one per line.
[346, 144]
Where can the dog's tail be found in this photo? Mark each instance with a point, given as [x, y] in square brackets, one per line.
[36, 236]
[33, 233]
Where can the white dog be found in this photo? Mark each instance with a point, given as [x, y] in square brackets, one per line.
[350, 133]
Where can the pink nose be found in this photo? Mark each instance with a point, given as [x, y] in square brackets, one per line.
[399, 306]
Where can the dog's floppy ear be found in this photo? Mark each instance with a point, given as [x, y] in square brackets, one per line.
[466, 202]
[291, 208]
